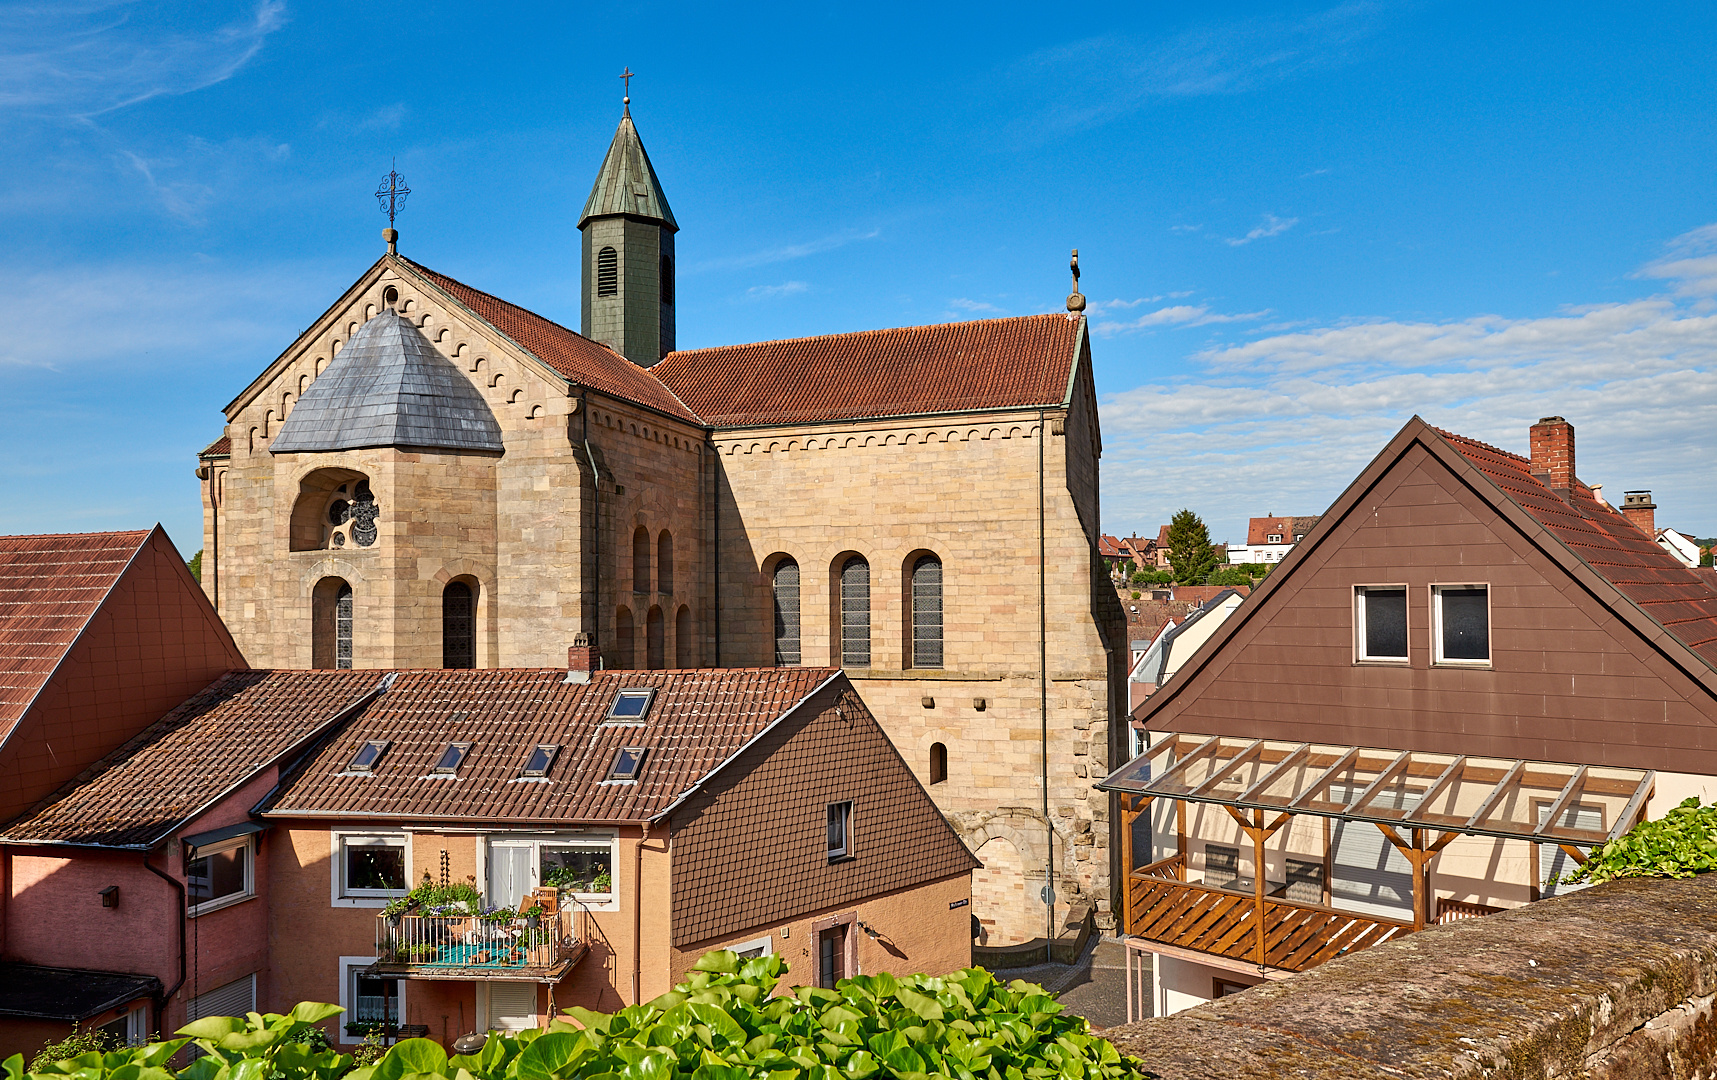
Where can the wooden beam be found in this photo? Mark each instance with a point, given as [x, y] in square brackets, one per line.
[1570, 791]
[1258, 876]
[1289, 761]
[1323, 780]
[1574, 853]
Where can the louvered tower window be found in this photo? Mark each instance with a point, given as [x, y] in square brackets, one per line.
[458, 627]
[786, 613]
[343, 627]
[667, 279]
[607, 272]
[855, 613]
[927, 612]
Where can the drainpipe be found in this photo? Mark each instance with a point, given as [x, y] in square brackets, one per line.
[1043, 683]
[638, 912]
[167, 995]
[715, 541]
[596, 514]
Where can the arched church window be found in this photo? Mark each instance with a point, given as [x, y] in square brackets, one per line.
[331, 624]
[667, 279]
[641, 560]
[458, 626]
[685, 655]
[343, 628]
[655, 635]
[927, 612]
[607, 272]
[855, 613]
[786, 613]
[665, 562]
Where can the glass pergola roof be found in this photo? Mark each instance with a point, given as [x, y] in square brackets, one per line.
[1506, 798]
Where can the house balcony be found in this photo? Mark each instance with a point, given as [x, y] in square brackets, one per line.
[543, 948]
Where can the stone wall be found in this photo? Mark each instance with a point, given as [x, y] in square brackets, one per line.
[1616, 982]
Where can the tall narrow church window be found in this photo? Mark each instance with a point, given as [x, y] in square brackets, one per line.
[458, 626]
[786, 613]
[624, 657]
[938, 763]
[657, 641]
[607, 272]
[665, 562]
[667, 279]
[855, 613]
[685, 655]
[641, 560]
[927, 612]
[343, 628]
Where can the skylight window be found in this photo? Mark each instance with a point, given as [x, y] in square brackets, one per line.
[451, 758]
[627, 761]
[367, 756]
[633, 704]
[540, 760]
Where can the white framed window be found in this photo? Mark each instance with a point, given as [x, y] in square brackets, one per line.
[1380, 623]
[1460, 624]
[367, 999]
[579, 865]
[840, 830]
[751, 950]
[368, 869]
[220, 875]
[507, 1006]
[130, 1028]
[1274, 538]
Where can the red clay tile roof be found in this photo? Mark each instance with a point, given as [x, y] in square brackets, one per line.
[178, 766]
[1682, 600]
[50, 586]
[1109, 547]
[221, 447]
[577, 357]
[697, 721]
[909, 371]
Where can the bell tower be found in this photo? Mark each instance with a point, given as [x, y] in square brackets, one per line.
[629, 253]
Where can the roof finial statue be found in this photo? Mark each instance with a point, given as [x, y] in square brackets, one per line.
[626, 102]
[391, 194]
[1075, 299]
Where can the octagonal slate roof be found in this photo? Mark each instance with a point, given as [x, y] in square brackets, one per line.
[389, 387]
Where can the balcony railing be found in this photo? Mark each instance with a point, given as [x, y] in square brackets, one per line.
[1163, 907]
[470, 946]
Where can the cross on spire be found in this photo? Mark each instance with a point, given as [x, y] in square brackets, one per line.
[627, 100]
[392, 193]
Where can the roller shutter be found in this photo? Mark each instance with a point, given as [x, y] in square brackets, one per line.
[1367, 874]
[234, 999]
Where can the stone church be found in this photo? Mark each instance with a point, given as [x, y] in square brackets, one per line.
[430, 476]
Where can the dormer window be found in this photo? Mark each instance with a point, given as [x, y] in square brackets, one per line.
[541, 759]
[451, 758]
[1274, 538]
[632, 705]
[368, 754]
[627, 761]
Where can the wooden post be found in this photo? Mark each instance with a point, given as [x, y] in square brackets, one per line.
[1128, 817]
[1180, 826]
[1257, 831]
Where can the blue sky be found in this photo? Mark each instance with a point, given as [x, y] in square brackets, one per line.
[1299, 224]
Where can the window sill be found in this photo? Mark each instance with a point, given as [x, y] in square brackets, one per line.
[1470, 665]
[1384, 661]
[833, 859]
[211, 906]
[366, 901]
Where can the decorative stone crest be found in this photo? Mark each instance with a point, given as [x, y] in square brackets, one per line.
[364, 513]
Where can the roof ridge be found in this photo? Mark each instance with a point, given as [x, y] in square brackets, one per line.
[47, 536]
[507, 303]
[861, 333]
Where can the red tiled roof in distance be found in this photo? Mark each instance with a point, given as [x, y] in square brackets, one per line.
[50, 586]
[1682, 600]
[575, 356]
[1109, 547]
[221, 447]
[207, 746]
[697, 721]
[908, 371]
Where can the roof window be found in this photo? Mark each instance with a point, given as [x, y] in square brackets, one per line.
[451, 758]
[627, 761]
[368, 754]
[540, 760]
[632, 704]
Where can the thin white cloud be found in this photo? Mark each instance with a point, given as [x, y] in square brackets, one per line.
[1177, 315]
[1690, 260]
[775, 292]
[785, 253]
[82, 62]
[1116, 305]
[961, 303]
[1272, 226]
[1185, 228]
[1286, 422]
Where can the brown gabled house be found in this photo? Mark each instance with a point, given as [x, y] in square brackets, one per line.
[648, 816]
[1468, 673]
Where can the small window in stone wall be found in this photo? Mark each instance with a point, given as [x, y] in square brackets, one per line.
[938, 763]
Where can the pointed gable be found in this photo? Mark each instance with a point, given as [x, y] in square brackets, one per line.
[626, 183]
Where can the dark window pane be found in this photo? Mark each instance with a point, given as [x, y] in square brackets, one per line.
[213, 877]
[375, 866]
[840, 818]
[786, 613]
[627, 761]
[451, 757]
[343, 628]
[855, 613]
[1385, 622]
[927, 613]
[1466, 624]
[458, 627]
[541, 758]
[583, 870]
[630, 705]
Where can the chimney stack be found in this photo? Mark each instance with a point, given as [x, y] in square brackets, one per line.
[1552, 440]
[1640, 510]
[581, 658]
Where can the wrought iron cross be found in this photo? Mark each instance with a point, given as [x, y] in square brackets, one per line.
[392, 194]
[627, 75]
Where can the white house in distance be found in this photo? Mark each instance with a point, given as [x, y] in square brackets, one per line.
[1269, 539]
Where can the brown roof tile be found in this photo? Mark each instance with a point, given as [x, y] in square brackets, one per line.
[50, 586]
[909, 371]
[221, 447]
[581, 360]
[1682, 600]
[174, 769]
[698, 720]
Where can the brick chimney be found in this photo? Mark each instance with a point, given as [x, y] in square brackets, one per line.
[1552, 442]
[1640, 510]
[580, 658]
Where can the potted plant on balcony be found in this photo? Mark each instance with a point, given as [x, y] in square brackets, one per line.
[533, 915]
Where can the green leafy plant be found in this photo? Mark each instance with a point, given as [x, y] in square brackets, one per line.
[258, 1046]
[427, 894]
[75, 1045]
[1678, 845]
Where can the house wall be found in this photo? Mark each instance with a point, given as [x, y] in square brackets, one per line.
[152, 643]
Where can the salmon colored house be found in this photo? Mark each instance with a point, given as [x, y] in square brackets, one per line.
[607, 829]
[1470, 672]
[100, 634]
